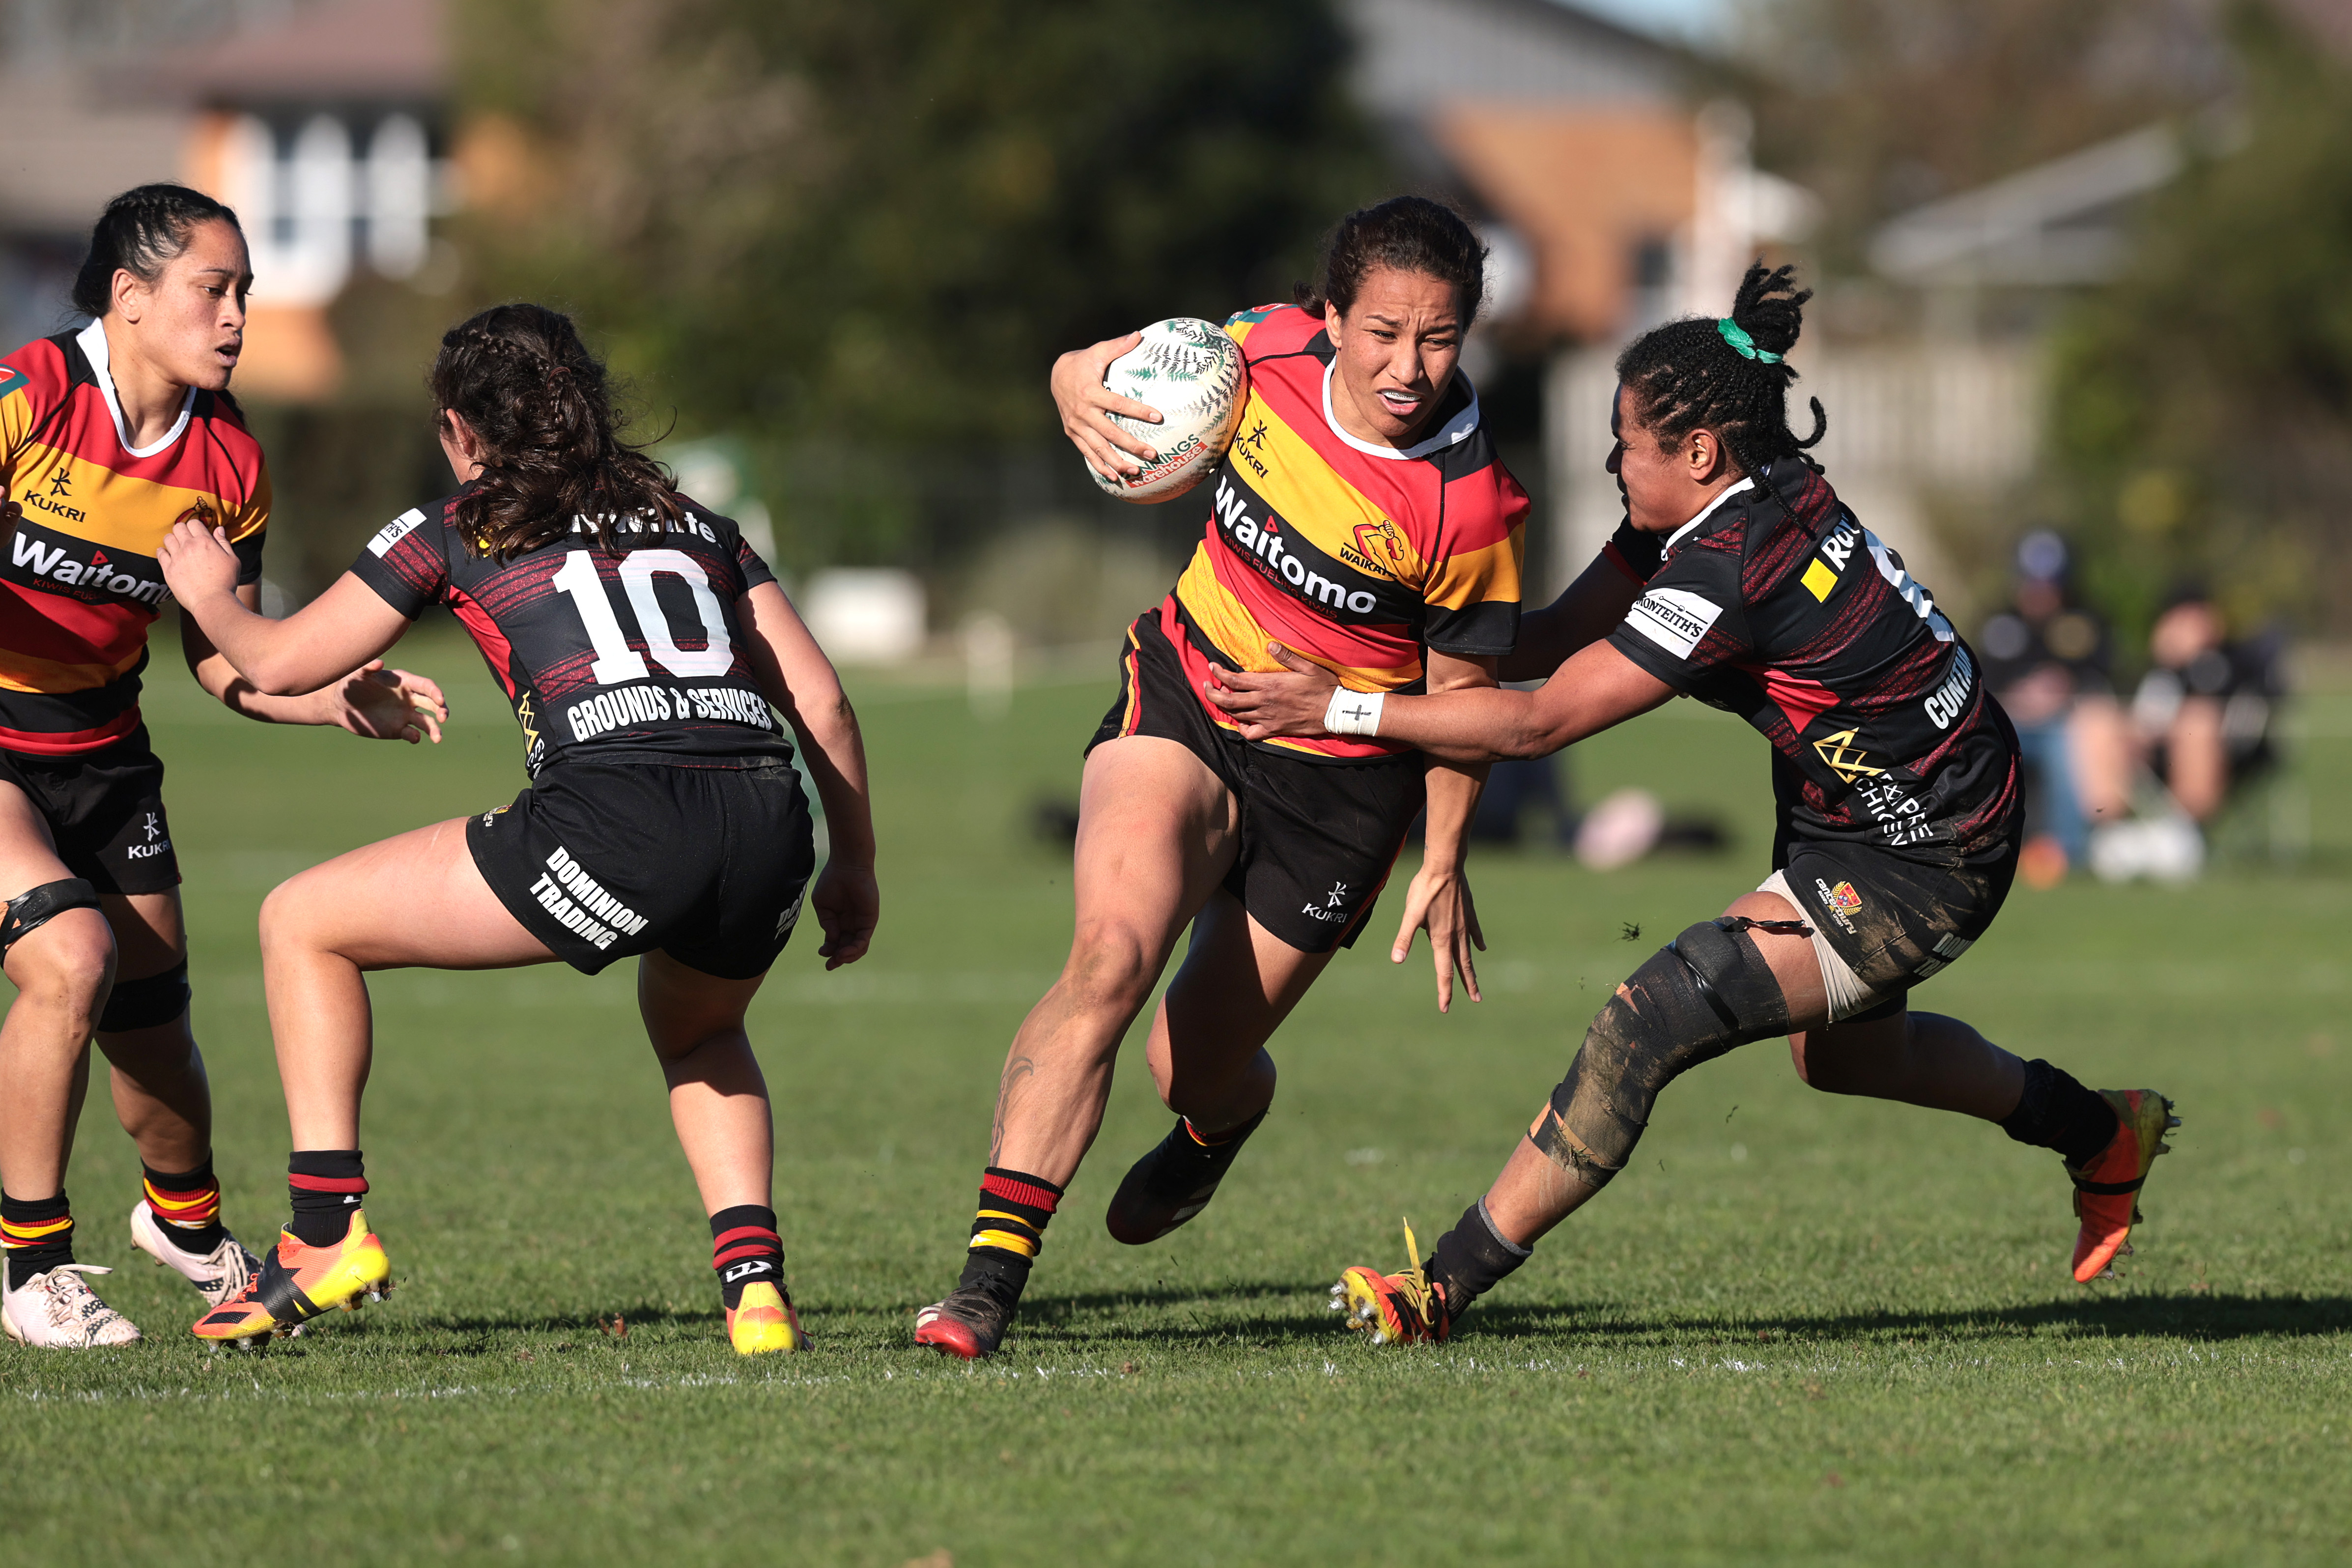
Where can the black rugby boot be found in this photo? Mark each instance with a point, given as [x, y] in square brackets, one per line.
[1172, 1183]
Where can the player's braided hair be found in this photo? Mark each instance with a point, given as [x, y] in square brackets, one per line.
[1731, 376]
[539, 401]
[1410, 234]
[140, 231]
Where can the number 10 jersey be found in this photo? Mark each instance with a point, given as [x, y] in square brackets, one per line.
[608, 654]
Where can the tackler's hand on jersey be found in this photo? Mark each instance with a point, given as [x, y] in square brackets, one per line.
[196, 560]
[380, 704]
[1290, 702]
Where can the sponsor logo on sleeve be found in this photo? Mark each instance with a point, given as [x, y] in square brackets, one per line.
[393, 533]
[1674, 618]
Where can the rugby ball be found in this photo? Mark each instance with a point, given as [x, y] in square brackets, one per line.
[1192, 372]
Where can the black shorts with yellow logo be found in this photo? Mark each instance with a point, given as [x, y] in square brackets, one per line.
[104, 811]
[1884, 922]
[1317, 837]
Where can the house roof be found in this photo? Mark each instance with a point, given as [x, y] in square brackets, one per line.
[1412, 54]
[326, 51]
[1586, 187]
[2056, 224]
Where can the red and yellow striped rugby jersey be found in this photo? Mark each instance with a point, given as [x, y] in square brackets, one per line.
[79, 583]
[1357, 556]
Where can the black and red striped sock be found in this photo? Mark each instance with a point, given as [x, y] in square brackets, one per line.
[1008, 1231]
[326, 1186]
[37, 1234]
[746, 1250]
[188, 1205]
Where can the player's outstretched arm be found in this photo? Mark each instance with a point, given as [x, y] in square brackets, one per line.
[318, 666]
[1083, 401]
[1598, 688]
[1588, 610]
[1438, 898]
[801, 681]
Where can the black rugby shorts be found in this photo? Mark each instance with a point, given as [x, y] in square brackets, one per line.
[1317, 839]
[604, 861]
[105, 810]
[1888, 922]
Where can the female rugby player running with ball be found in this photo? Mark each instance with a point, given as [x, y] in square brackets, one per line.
[640, 641]
[109, 434]
[1895, 778]
[1362, 516]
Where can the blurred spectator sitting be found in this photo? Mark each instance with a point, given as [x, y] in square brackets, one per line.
[2047, 660]
[2201, 717]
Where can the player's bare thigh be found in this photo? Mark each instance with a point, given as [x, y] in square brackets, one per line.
[28, 859]
[413, 900]
[1157, 832]
[1238, 983]
[1793, 960]
[151, 932]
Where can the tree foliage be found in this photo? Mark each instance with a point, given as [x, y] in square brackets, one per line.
[883, 217]
[2203, 404]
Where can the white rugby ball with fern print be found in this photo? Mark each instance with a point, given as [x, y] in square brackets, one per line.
[1192, 372]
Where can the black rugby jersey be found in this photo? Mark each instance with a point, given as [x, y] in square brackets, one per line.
[1810, 629]
[639, 651]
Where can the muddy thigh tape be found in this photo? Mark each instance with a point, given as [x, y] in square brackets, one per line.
[1703, 994]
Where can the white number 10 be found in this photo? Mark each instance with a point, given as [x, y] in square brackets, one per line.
[616, 662]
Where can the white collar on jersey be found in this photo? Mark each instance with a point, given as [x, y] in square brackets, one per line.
[1456, 429]
[1678, 535]
[92, 339]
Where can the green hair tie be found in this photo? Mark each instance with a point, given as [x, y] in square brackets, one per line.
[1736, 336]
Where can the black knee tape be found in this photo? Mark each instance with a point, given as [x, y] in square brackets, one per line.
[1703, 993]
[144, 1003]
[35, 906]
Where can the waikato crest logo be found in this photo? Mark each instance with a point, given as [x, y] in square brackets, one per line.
[1381, 547]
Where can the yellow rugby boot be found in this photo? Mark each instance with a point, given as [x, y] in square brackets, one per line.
[2106, 1190]
[298, 1282]
[1403, 1308]
[764, 1320]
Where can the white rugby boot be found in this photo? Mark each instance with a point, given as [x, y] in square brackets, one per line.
[218, 1275]
[57, 1311]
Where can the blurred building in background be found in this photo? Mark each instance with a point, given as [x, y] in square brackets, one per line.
[324, 125]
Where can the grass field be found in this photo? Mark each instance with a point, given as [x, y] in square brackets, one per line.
[1801, 1330]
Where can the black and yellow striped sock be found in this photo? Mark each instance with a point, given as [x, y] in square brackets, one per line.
[37, 1234]
[1008, 1230]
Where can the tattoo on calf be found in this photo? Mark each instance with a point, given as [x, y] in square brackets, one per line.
[1015, 1070]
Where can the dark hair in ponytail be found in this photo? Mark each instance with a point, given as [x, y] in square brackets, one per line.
[1410, 234]
[538, 401]
[138, 233]
[1689, 374]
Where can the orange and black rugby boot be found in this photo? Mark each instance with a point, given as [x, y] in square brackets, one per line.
[762, 1320]
[1400, 1308]
[2106, 1190]
[298, 1282]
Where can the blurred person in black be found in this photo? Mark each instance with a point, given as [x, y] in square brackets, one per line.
[2200, 719]
[2048, 661]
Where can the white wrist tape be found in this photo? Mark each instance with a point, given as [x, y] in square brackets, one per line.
[1353, 712]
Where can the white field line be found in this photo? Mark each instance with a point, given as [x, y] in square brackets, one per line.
[1457, 1366]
